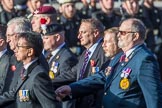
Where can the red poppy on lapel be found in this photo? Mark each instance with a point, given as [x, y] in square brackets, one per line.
[13, 68]
[93, 63]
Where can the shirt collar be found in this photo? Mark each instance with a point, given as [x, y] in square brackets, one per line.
[129, 52]
[27, 65]
[2, 52]
[93, 47]
[54, 52]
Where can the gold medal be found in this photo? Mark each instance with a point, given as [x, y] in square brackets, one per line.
[51, 75]
[124, 83]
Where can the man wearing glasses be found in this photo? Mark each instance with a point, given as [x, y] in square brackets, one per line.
[134, 81]
[34, 88]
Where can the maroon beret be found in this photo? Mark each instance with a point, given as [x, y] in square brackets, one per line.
[45, 10]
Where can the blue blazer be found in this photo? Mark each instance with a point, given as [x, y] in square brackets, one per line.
[144, 90]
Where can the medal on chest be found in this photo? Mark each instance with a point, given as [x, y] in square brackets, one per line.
[95, 69]
[53, 70]
[23, 95]
[124, 82]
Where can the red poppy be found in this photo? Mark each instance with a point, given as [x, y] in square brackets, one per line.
[13, 68]
[93, 63]
[43, 21]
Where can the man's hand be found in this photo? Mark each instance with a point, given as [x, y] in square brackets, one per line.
[62, 92]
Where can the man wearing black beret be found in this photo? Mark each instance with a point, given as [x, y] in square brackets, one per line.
[60, 58]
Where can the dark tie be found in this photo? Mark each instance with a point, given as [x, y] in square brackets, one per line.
[22, 75]
[122, 58]
[86, 57]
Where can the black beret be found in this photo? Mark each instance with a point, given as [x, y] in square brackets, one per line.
[52, 29]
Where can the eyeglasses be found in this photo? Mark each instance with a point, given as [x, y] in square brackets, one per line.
[125, 32]
[18, 46]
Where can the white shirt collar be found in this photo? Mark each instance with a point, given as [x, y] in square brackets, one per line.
[2, 52]
[129, 52]
[27, 65]
[93, 47]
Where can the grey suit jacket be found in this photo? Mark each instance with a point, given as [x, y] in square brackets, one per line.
[66, 60]
[6, 72]
[39, 89]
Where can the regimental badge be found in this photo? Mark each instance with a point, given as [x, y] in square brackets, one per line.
[125, 72]
[24, 95]
[95, 70]
[124, 83]
[108, 70]
[57, 57]
[44, 31]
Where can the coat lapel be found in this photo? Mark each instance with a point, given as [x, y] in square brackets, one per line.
[27, 72]
[120, 67]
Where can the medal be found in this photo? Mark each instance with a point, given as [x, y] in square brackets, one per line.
[125, 72]
[23, 95]
[93, 63]
[20, 95]
[51, 74]
[55, 67]
[108, 71]
[95, 69]
[124, 83]
[26, 95]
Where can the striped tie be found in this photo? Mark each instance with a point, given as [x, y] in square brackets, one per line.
[86, 57]
[122, 58]
[22, 75]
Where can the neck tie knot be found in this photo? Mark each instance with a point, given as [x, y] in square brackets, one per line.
[22, 75]
[122, 58]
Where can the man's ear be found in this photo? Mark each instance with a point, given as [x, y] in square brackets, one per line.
[30, 52]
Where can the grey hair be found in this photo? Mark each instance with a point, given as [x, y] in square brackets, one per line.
[95, 24]
[138, 26]
[22, 25]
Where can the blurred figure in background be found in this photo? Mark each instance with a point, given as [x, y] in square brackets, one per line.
[89, 7]
[8, 11]
[35, 4]
[20, 7]
[107, 15]
[70, 20]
